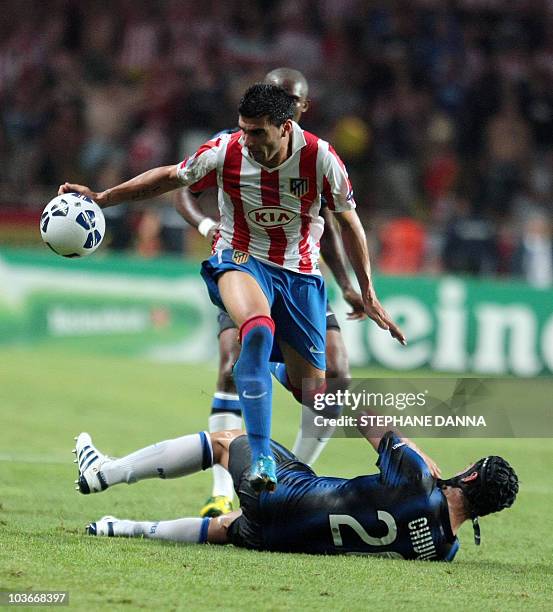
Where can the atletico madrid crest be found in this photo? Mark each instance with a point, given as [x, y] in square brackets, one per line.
[299, 186]
[239, 257]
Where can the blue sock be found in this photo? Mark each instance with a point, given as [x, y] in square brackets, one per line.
[253, 382]
[279, 372]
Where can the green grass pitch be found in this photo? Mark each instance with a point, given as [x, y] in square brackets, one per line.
[46, 397]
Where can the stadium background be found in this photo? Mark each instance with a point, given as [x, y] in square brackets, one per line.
[443, 113]
[444, 117]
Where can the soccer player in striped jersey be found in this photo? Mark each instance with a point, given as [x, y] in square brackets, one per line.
[264, 269]
[225, 408]
[405, 511]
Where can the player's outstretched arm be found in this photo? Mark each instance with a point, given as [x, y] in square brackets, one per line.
[149, 184]
[374, 434]
[355, 244]
[187, 207]
[333, 254]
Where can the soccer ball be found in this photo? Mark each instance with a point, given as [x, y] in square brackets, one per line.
[72, 225]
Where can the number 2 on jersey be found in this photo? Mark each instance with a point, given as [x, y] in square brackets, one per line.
[337, 520]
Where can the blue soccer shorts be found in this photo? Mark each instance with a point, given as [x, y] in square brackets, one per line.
[297, 301]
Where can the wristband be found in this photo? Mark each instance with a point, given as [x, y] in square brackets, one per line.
[206, 225]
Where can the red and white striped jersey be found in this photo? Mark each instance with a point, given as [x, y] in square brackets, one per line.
[271, 213]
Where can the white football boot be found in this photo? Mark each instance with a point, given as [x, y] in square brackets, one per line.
[90, 461]
[109, 526]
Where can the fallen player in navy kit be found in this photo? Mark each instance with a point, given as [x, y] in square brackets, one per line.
[405, 511]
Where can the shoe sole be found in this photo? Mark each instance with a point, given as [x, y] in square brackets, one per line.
[82, 485]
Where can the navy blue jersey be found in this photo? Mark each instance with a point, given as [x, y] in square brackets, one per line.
[398, 513]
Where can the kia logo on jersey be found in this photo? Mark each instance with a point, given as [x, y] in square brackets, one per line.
[270, 216]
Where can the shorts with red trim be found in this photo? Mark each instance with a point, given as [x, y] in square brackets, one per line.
[297, 301]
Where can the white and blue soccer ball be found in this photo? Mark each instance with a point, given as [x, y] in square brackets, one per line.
[72, 225]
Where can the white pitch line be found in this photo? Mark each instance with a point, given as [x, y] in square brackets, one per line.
[24, 458]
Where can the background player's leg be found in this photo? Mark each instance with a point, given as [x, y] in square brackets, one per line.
[311, 440]
[249, 309]
[225, 414]
[337, 363]
[308, 445]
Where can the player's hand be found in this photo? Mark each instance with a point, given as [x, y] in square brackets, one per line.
[355, 300]
[73, 187]
[374, 310]
[432, 465]
[211, 234]
[207, 227]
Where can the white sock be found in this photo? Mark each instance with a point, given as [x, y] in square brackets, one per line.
[222, 480]
[310, 440]
[168, 459]
[190, 530]
[180, 530]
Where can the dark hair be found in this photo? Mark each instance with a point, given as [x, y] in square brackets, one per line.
[494, 489]
[264, 99]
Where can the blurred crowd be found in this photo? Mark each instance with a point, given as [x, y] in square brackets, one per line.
[442, 111]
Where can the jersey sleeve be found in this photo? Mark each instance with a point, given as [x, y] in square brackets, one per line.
[199, 171]
[337, 191]
[399, 464]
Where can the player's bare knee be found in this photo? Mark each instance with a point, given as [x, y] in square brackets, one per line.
[338, 369]
[337, 364]
[220, 443]
[218, 527]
